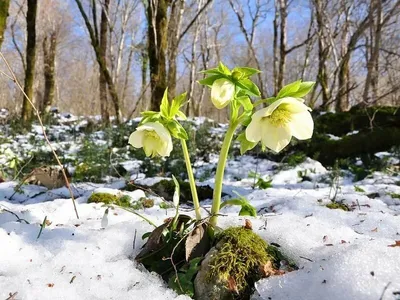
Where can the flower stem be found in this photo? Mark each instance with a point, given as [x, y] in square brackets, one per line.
[191, 179]
[219, 176]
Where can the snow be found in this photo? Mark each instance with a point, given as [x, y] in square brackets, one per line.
[340, 254]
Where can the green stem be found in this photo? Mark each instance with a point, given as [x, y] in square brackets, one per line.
[219, 176]
[191, 179]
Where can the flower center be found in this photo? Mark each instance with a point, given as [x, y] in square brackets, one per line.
[151, 142]
[279, 117]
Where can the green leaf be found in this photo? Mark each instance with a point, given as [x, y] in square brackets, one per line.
[245, 71]
[245, 102]
[210, 79]
[304, 89]
[176, 104]
[211, 71]
[358, 189]
[181, 114]
[246, 210]
[149, 113]
[289, 90]
[164, 107]
[224, 69]
[249, 87]
[177, 130]
[245, 145]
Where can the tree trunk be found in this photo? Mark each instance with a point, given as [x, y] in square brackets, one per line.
[26, 114]
[4, 5]
[323, 52]
[157, 32]
[105, 115]
[174, 30]
[275, 49]
[49, 63]
[283, 39]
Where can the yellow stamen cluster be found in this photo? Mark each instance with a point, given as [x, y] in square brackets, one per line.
[279, 117]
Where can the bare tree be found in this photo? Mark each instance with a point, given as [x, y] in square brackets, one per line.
[4, 5]
[26, 113]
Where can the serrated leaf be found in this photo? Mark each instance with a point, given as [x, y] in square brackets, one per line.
[164, 107]
[249, 87]
[245, 102]
[149, 113]
[289, 90]
[176, 104]
[177, 130]
[181, 115]
[224, 69]
[304, 89]
[197, 243]
[211, 71]
[210, 79]
[245, 71]
[245, 145]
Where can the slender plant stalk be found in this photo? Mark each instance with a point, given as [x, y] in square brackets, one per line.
[15, 80]
[219, 176]
[191, 180]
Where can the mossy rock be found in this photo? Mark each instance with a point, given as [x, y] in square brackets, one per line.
[109, 199]
[231, 268]
[338, 205]
[103, 198]
[166, 189]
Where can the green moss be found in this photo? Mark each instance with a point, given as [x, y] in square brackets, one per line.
[395, 196]
[142, 203]
[124, 201]
[241, 255]
[338, 205]
[103, 198]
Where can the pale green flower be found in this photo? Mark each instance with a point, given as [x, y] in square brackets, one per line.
[222, 92]
[154, 138]
[275, 125]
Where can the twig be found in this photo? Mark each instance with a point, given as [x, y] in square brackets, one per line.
[134, 239]
[15, 80]
[306, 258]
[12, 296]
[15, 215]
[384, 290]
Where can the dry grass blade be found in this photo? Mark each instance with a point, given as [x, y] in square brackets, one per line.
[15, 80]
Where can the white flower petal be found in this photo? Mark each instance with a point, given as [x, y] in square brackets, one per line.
[301, 125]
[136, 139]
[253, 131]
[258, 115]
[222, 92]
[275, 138]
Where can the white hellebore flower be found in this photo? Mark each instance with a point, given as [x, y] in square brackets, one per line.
[154, 138]
[275, 125]
[222, 92]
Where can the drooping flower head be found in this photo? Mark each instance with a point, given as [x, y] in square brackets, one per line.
[153, 137]
[222, 92]
[275, 125]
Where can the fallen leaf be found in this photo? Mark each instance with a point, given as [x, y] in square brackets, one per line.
[343, 242]
[247, 224]
[396, 244]
[325, 238]
[72, 279]
[50, 285]
[197, 243]
[375, 229]
[232, 285]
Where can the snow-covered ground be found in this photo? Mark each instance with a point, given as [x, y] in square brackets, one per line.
[340, 254]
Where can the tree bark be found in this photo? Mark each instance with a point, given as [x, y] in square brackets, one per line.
[283, 40]
[105, 115]
[102, 63]
[4, 5]
[26, 114]
[49, 63]
[157, 46]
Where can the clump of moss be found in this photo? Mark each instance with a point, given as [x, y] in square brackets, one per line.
[103, 198]
[241, 255]
[338, 205]
[143, 203]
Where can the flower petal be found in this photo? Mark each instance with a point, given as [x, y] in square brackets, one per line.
[253, 131]
[136, 139]
[301, 125]
[275, 138]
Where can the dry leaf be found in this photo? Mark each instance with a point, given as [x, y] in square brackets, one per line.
[247, 224]
[50, 285]
[325, 238]
[268, 270]
[232, 285]
[343, 242]
[396, 244]
[375, 229]
[197, 243]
